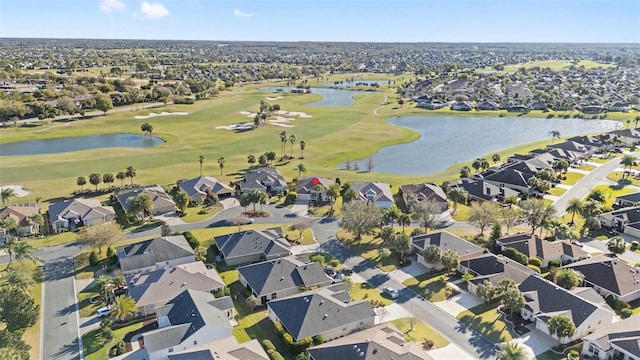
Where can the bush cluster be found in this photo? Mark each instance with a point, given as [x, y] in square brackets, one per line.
[193, 242]
[516, 255]
[294, 346]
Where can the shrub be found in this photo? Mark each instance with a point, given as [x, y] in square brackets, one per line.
[317, 340]
[317, 258]
[302, 356]
[292, 196]
[534, 268]
[94, 259]
[117, 349]
[625, 313]
[635, 245]
[555, 263]
[416, 232]
[268, 345]
[516, 255]
[110, 252]
[334, 263]
[274, 355]
[535, 262]
[193, 242]
[428, 343]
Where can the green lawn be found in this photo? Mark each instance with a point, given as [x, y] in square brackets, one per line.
[554, 65]
[369, 248]
[192, 214]
[205, 236]
[62, 238]
[420, 332]
[586, 167]
[87, 308]
[463, 213]
[364, 291]
[432, 286]
[94, 347]
[489, 322]
[556, 191]
[572, 178]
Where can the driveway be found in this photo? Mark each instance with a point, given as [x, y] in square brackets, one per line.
[459, 303]
[450, 352]
[390, 312]
[403, 274]
[535, 342]
[300, 208]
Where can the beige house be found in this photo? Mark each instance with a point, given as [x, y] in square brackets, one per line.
[620, 340]
[162, 202]
[72, 213]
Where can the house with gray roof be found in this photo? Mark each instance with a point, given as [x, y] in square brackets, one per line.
[610, 276]
[155, 288]
[198, 188]
[492, 268]
[626, 220]
[275, 279]
[187, 320]
[266, 179]
[377, 193]
[382, 342]
[423, 192]
[544, 300]
[312, 188]
[627, 136]
[445, 241]
[627, 200]
[514, 176]
[480, 190]
[223, 349]
[154, 254]
[533, 246]
[620, 340]
[22, 214]
[162, 202]
[250, 246]
[72, 213]
[328, 312]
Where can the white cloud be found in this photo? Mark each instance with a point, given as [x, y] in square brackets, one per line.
[239, 13]
[153, 10]
[108, 6]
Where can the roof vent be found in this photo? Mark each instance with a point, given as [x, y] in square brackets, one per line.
[321, 302]
[325, 316]
[281, 278]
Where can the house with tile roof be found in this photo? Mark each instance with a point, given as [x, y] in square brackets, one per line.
[377, 193]
[533, 246]
[223, 349]
[198, 188]
[382, 342]
[155, 288]
[275, 279]
[250, 246]
[265, 179]
[162, 202]
[327, 312]
[610, 276]
[21, 214]
[186, 321]
[70, 214]
[620, 340]
[544, 300]
[312, 188]
[154, 254]
[445, 241]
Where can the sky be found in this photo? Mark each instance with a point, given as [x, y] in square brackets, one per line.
[581, 21]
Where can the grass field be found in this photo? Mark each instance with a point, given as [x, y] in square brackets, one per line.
[432, 286]
[420, 332]
[554, 65]
[488, 322]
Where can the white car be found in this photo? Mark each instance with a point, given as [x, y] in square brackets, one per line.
[104, 311]
[393, 293]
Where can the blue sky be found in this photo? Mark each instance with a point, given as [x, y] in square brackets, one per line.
[327, 20]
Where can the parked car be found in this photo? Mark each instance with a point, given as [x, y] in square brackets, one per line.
[347, 271]
[393, 293]
[331, 271]
[337, 278]
[104, 311]
[577, 243]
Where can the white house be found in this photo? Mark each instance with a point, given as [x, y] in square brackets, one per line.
[377, 193]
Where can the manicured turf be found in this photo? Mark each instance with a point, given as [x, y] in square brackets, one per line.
[420, 332]
[431, 286]
[364, 291]
[487, 321]
[95, 349]
[369, 247]
[572, 178]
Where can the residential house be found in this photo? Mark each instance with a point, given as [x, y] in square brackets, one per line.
[21, 214]
[480, 190]
[312, 188]
[487, 105]
[445, 241]
[198, 188]
[544, 299]
[492, 268]
[545, 251]
[162, 202]
[246, 247]
[514, 176]
[602, 143]
[586, 151]
[156, 288]
[72, 213]
[627, 200]
[327, 312]
[275, 279]
[626, 220]
[224, 349]
[188, 320]
[539, 105]
[462, 106]
[619, 107]
[517, 108]
[592, 109]
[382, 342]
[422, 192]
[620, 340]
[433, 105]
[628, 137]
[266, 179]
[377, 193]
[610, 276]
[154, 254]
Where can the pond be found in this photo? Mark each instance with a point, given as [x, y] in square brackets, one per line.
[52, 146]
[330, 97]
[447, 140]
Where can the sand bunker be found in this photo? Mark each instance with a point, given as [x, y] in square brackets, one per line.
[18, 190]
[164, 113]
[236, 126]
[245, 112]
[277, 120]
[272, 98]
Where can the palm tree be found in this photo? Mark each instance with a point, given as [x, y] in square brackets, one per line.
[511, 351]
[628, 161]
[81, 181]
[598, 195]
[131, 173]
[302, 146]
[495, 158]
[9, 244]
[6, 193]
[121, 175]
[555, 134]
[457, 195]
[477, 164]
[333, 191]
[292, 140]
[403, 220]
[263, 199]
[301, 169]
[283, 140]
[221, 163]
[23, 251]
[123, 307]
[574, 206]
[104, 283]
[201, 160]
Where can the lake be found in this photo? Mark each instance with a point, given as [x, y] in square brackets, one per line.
[447, 140]
[52, 146]
[330, 97]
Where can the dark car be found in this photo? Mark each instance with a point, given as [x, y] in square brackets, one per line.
[347, 271]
